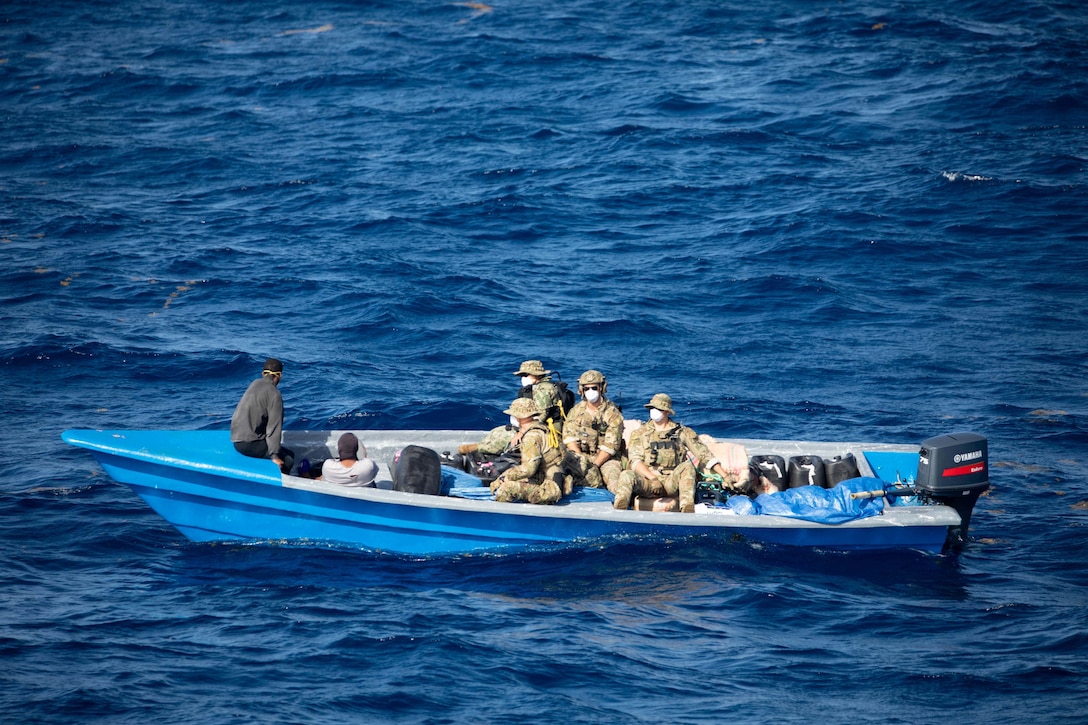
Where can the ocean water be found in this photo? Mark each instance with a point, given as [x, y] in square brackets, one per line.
[821, 221]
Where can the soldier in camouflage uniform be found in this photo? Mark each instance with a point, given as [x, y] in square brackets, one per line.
[536, 383]
[495, 443]
[539, 476]
[593, 435]
[664, 457]
[488, 458]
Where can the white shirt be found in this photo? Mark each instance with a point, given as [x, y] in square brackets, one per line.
[362, 473]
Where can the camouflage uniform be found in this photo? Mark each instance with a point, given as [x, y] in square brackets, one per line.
[544, 392]
[546, 395]
[673, 453]
[593, 432]
[497, 440]
[539, 477]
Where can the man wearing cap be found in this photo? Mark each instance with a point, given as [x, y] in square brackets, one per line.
[664, 459]
[536, 383]
[593, 434]
[256, 428]
[539, 477]
[350, 470]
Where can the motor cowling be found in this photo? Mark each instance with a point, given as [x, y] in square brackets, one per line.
[954, 469]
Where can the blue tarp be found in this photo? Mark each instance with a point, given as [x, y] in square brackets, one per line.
[812, 503]
[480, 493]
[456, 478]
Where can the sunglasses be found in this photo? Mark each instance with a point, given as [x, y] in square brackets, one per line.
[590, 387]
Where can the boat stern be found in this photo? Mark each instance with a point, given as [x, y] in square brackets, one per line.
[954, 470]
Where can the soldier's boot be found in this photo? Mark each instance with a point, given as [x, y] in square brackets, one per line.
[466, 448]
[622, 494]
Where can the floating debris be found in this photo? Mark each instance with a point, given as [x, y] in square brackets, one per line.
[479, 8]
[189, 284]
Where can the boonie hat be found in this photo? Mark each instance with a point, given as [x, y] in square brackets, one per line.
[523, 408]
[532, 367]
[661, 402]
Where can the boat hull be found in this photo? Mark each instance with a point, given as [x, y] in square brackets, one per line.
[219, 495]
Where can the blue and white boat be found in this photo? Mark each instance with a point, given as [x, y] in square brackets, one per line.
[198, 483]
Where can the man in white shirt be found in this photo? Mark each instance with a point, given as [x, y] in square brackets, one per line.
[349, 470]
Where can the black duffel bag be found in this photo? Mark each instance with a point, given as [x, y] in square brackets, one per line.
[417, 470]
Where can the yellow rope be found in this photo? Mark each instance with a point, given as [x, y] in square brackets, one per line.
[553, 434]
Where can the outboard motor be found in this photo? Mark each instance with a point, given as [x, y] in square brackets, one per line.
[954, 470]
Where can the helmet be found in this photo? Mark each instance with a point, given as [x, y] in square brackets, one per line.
[523, 408]
[661, 402]
[532, 367]
[592, 377]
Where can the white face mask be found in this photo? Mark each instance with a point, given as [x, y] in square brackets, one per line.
[527, 380]
[593, 396]
[515, 422]
[657, 415]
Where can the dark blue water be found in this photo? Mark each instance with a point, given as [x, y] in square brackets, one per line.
[861, 221]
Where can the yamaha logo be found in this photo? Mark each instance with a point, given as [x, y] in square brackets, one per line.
[961, 457]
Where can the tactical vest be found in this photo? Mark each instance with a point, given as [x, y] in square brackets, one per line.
[589, 434]
[666, 454]
[552, 456]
